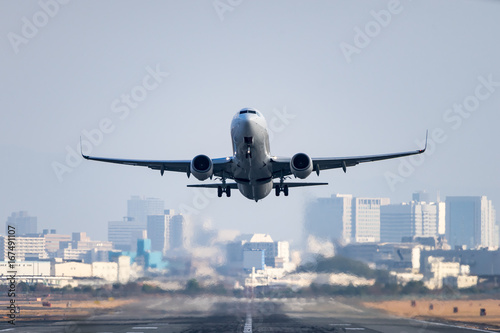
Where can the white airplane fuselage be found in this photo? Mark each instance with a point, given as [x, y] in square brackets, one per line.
[252, 167]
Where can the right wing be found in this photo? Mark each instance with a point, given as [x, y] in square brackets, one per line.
[178, 166]
[220, 165]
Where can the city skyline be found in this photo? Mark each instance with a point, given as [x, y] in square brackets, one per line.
[362, 220]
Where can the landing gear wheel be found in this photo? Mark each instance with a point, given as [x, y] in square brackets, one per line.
[228, 191]
[285, 190]
[277, 191]
[219, 191]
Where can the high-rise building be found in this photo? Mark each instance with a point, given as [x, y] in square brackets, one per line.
[139, 208]
[470, 221]
[330, 218]
[429, 215]
[168, 231]
[159, 232]
[124, 234]
[366, 219]
[496, 235]
[441, 217]
[396, 222]
[179, 235]
[413, 219]
[23, 223]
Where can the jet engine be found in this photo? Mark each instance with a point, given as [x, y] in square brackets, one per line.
[201, 167]
[301, 165]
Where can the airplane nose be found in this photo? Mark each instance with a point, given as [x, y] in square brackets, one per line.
[247, 127]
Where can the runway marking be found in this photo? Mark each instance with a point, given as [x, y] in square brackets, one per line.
[145, 328]
[340, 324]
[454, 326]
[349, 328]
[7, 329]
[248, 324]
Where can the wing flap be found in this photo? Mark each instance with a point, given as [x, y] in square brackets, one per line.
[281, 165]
[179, 166]
[298, 184]
[221, 165]
[231, 185]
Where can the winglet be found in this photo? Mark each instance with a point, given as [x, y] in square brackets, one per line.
[426, 136]
[81, 150]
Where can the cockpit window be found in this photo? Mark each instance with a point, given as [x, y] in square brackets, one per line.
[248, 111]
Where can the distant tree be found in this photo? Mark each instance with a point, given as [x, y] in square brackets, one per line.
[131, 288]
[218, 289]
[192, 287]
[339, 264]
[22, 287]
[414, 287]
[41, 288]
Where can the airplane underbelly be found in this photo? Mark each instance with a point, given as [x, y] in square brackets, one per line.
[256, 192]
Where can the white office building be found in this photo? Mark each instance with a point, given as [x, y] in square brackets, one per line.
[366, 219]
[26, 248]
[159, 232]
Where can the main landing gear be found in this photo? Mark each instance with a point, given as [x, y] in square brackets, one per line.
[281, 188]
[225, 189]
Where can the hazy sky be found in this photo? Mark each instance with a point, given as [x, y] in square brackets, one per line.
[335, 78]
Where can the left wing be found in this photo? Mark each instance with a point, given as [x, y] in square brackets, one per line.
[281, 165]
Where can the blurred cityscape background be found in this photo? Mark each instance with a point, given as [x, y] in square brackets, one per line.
[451, 242]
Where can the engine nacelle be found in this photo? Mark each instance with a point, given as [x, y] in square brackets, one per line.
[301, 165]
[202, 167]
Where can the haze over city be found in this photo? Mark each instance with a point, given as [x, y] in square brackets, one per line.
[430, 66]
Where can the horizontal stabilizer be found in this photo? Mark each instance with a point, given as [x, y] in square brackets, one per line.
[298, 184]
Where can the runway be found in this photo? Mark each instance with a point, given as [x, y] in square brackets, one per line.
[215, 314]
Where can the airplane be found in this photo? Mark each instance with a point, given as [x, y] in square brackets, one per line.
[252, 167]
